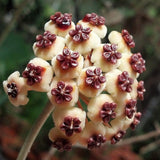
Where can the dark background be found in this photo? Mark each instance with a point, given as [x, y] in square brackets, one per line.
[21, 21]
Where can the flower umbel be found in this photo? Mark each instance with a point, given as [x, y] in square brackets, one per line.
[83, 71]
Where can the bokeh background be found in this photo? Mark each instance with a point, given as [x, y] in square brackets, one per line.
[22, 20]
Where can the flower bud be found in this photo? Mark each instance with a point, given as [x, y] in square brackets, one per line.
[59, 24]
[124, 41]
[121, 123]
[15, 88]
[136, 120]
[82, 40]
[68, 65]
[60, 141]
[48, 45]
[121, 104]
[91, 81]
[63, 93]
[96, 23]
[69, 120]
[38, 75]
[106, 57]
[101, 109]
[126, 66]
[116, 87]
[93, 135]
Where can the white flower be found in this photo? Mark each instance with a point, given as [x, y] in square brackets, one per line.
[15, 88]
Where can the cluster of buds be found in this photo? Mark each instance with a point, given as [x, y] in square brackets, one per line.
[73, 66]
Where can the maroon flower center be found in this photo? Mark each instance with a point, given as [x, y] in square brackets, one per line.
[96, 141]
[80, 34]
[33, 74]
[63, 21]
[94, 19]
[140, 90]
[62, 92]
[116, 138]
[137, 63]
[130, 108]
[108, 111]
[110, 53]
[46, 40]
[71, 125]
[125, 82]
[136, 120]
[62, 144]
[12, 89]
[68, 59]
[128, 38]
[94, 78]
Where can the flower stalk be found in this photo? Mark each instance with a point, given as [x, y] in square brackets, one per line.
[34, 131]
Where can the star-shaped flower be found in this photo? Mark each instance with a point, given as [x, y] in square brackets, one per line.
[80, 34]
[62, 92]
[46, 40]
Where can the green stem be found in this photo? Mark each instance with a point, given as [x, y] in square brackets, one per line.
[34, 131]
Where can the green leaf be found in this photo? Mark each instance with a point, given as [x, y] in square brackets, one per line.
[15, 53]
[37, 102]
[15, 50]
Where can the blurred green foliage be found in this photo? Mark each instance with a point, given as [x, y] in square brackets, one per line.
[141, 18]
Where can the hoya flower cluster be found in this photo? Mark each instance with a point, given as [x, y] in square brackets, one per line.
[71, 66]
